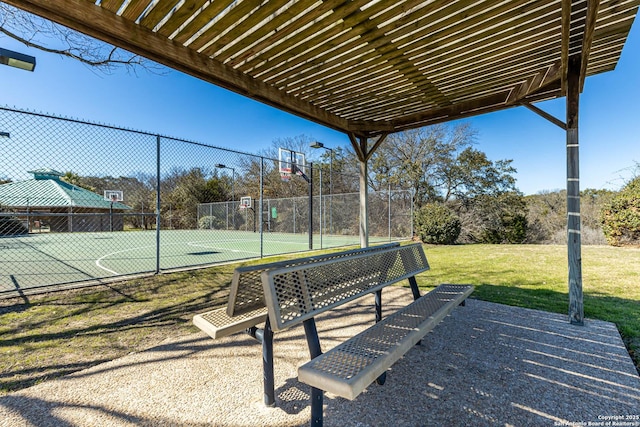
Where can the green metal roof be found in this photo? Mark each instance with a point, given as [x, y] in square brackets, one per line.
[46, 190]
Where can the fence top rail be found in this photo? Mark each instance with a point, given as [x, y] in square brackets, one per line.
[247, 293]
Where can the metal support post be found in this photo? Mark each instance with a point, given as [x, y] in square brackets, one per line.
[378, 297]
[321, 208]
[414, 287]
[364, 206]
[317, 395]
[261, 215]
[310, 181]
[265, 337]
[158, 203]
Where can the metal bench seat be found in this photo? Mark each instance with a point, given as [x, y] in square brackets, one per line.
[217, 323]
[346, 370]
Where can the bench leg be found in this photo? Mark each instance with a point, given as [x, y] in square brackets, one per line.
[378, 299]
[267, 363]
[316, 407]
[415, 290]
[265, 337]
[317, 395]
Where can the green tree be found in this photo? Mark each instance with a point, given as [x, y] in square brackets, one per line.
[547, 216]
[500, 218]
[417, 159]
[438, 163]
[437, 224]
[621, 217]
[182, 191]
[471, 174]
[75, 179]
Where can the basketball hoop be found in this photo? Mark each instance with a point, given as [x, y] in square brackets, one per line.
[245, 202]
[113, 196]
[290, 162]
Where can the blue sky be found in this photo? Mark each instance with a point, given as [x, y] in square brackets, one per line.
[178, 105]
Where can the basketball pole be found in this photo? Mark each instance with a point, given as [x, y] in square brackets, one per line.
[297, 171]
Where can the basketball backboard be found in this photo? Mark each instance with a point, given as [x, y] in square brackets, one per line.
[245, 202]
[287, 158]
[113, 195]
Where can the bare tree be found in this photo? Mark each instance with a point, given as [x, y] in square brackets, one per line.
[42, 34]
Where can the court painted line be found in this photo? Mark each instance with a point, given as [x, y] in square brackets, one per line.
[198, 245]
[115, 273]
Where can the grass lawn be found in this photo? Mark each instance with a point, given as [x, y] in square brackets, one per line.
[46, 336]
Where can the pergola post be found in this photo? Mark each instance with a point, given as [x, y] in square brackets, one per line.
[364, 205]
[576, 308]
[364, 153]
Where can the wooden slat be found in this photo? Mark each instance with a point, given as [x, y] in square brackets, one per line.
[226, 20]
[590, 25]
[239, 32]
[135, 8]
[366, 37]
[157, 14]
[318, 35]
[493, 48]
[282, 29]
[407, 70]
[207, 13]
[180, 16]
[376, 40]
[369, 100]
[112, 5]
[515, 64]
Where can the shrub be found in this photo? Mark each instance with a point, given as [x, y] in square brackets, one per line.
[621, 217]
[495, 219]
[437, 224]
[211, 222]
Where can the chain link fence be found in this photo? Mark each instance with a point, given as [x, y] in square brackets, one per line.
[83, 203]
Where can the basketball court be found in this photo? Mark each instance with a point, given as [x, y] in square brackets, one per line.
[45, 259]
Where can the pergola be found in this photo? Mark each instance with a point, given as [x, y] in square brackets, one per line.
[369, 68]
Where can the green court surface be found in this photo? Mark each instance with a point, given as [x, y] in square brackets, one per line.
[47, 259]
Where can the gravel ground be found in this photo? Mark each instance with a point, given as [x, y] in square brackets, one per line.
[484, 365]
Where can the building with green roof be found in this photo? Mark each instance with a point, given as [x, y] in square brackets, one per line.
[63, 207]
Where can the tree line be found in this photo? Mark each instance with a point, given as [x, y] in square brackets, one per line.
[459, 195]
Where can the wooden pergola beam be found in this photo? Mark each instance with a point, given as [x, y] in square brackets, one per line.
[546, 115]
[98, 22]
[565, 36]
[590, 24]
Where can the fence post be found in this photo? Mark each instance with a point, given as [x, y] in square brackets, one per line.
[157, 204]
[310, 206]
[321, 216]
[261, 211]
[389, 207]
